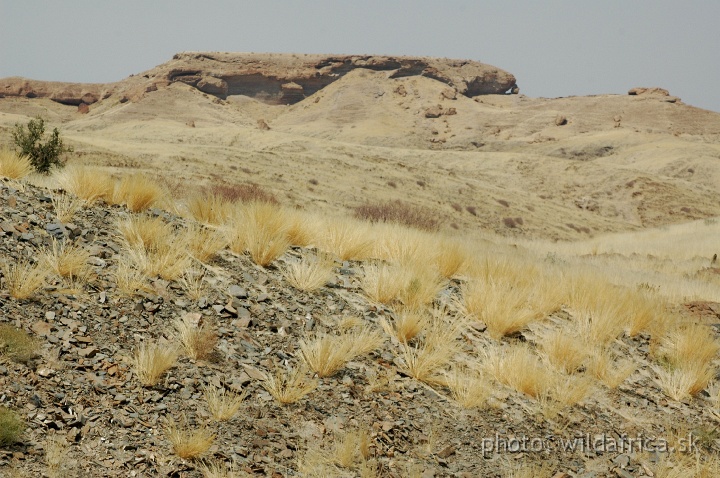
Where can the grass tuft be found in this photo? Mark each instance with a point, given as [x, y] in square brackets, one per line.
[188, 442]
[288, 386]
[326, 354]
[23, 279]
[198, 340]
[151, 361]
[13, 166]
[309, 274]
[223, 405]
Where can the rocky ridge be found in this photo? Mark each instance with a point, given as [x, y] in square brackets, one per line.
[271, 78]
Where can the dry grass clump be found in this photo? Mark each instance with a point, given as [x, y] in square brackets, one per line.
[519, 368]
[686, 354]
[145, 231]
[11, 426]
[16, 344]
[260, 229]
[65, 207]
[645, 312]
[609, 369]
[198, 340]
[503, 306]
[22, 278]
[564, 350]
[427, 360]
[302, 228]
[86, 183]
[223, 405]
[350, 453]
[67, 260]
[216, 469]
[399, 212]
[129, 280]
[383, 283]
[151, 361]
[289, 386]
[346, 239]
[203, 244]
[326, 354]
[188, 442]
[469, 388]
[138, 192]
[689, 465]
[450, 258]
[407, 324]
[209, 209]
[13, 166]
[310, 273]
[154, 248]
[193, 283]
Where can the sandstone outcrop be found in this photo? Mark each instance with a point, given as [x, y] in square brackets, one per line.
[270, 78]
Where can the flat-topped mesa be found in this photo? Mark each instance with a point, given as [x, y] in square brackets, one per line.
[287, 78]
[273, 78]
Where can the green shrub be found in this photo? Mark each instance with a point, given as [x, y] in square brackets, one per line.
[16, 344]
[11, 426]
[43, 154]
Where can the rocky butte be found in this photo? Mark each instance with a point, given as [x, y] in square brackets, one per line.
[271, 78]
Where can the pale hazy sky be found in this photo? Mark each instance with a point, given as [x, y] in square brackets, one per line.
[553, 47]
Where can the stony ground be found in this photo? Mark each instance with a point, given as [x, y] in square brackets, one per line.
[82, 388]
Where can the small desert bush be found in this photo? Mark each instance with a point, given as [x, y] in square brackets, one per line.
[43, 152]
[290, 385]
[65, 207]
[138, 192]
[16, 344]
[67, 260]
[244, 192]
[11, 426]
[399, 212]
[223, 405]
[310, 273]
[87, 184]
[13, 166]
[151, 361]
[188, 441]
[326, 354]
[22, 278]
[199, 340]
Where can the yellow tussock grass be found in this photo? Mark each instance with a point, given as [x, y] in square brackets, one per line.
[209, 209]
[290, 385]
[260, 229]
[326, 354]
[310, 273]
[86, 183]
[199, 340]
[151, 361]
[13, 166]
[188, 442]
[138, 192]
[22, 278]
[65, 207]
[346, 239]
[67, 260]
[223, 405]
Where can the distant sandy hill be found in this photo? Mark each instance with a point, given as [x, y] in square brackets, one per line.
[444, 134]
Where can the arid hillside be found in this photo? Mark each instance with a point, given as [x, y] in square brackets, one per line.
[189, 297]
[332, 133]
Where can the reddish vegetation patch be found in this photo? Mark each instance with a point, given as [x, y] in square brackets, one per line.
[399, 212]
[246, 192]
